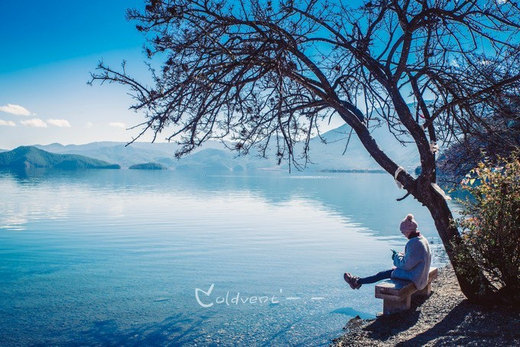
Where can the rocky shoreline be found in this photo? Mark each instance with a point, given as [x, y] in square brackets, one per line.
[445, 318]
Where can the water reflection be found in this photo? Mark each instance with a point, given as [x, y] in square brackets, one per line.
[363, 199]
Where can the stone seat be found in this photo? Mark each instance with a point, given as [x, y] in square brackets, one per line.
[397, 294]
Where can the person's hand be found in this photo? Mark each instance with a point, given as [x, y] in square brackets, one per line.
[394, 253]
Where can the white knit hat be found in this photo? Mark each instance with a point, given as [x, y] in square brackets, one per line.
[409, 224]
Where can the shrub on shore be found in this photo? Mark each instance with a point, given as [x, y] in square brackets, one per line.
[490, 223]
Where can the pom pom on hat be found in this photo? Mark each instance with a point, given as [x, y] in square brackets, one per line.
[408, 224]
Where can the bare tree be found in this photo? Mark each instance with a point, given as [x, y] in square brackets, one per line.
[268, 73]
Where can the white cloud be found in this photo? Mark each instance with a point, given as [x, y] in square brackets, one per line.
[35, 123]
[8, 123]
[62, 123]
[89, 125]
[117, 125]
[15, 109]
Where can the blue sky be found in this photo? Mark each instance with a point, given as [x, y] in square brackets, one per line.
[48, 48]
[47, 51]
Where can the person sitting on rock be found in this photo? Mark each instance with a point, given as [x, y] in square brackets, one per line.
[413, 265]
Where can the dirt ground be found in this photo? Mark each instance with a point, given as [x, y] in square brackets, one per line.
[445, 318]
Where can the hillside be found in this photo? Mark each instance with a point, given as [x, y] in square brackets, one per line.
[212, 156]
[148, 166]
[332, 155]
[28, 157]
[326, 153]
[118, 152]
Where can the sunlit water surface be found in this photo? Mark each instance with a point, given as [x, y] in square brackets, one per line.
[116, 257]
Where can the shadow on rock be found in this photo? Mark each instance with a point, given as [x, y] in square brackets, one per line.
[387, 326]
[468, 322]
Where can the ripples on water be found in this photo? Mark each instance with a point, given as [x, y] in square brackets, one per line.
[112, 257]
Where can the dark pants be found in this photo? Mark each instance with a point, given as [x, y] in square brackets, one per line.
[377, 277]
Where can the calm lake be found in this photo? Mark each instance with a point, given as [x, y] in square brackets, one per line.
[162, 257]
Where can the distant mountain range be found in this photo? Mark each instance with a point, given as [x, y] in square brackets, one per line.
[331, 152]
[30, 157]
[326, 154]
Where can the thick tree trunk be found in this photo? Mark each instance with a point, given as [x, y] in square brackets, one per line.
[472, 282]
